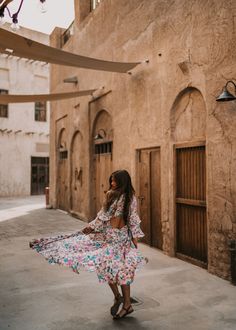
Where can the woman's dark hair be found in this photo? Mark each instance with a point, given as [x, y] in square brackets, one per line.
[124, 186]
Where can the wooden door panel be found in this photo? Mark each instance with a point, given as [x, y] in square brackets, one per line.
[39, 175]
[34, 179]
[155, 195]
[97, 183]
[103, 169]
[76, 174]
[149, 196]
[62, 180]
[144, 195]
[104, 175]
[191, 228]
[190, 231]
[62, 185]
[191, 179]
[41, 179]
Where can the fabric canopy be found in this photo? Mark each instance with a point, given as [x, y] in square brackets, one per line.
[14, 44]
[10, 98]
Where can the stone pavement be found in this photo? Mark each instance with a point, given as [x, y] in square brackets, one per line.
[170, 294]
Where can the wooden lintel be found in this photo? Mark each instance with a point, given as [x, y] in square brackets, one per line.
[190, 144]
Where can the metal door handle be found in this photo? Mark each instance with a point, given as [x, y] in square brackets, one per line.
[141, 198]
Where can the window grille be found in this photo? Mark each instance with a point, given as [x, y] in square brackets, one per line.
[40, 160]
[40, 111]
[103, 148]
[63, 154]
[3, 107]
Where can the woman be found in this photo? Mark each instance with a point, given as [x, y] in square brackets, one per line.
[107, 245]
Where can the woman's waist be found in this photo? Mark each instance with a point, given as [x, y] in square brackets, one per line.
[117, 234]
[117, 231]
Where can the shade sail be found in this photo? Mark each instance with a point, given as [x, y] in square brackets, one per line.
[14, 44]
[10, 98]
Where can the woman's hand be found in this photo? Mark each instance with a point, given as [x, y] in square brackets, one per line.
[87, 230]
[135, 242]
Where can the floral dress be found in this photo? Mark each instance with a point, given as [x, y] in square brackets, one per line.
[108, 251]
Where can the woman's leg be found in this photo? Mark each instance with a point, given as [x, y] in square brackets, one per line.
[127, 308]
[115, 290]
[118, 299]
[126, 294]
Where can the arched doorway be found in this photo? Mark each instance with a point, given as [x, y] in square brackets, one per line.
[77, 170]
[102, 135]
[62, 156]
[188, 132]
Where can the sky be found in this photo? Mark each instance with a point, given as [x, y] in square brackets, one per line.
[59, 13]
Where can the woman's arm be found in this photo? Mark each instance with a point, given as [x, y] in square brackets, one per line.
[87, 230]
[135, 241]
[95, 225]
[134, 221]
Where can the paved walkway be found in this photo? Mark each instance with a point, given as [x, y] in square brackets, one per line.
[171, 294]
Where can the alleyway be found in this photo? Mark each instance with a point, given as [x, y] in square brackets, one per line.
[171, 294]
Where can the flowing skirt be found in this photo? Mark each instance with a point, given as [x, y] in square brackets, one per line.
[111, 254]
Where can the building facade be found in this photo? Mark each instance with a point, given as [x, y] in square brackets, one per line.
[161, 122]
[24, 127]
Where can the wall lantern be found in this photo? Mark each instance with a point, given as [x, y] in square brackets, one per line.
[4, 9]
[101, 134]
[225, 94]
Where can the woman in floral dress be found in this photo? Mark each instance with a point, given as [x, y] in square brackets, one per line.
[108, 245]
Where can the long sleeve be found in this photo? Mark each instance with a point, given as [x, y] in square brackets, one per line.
[96, 224]
[134, 220]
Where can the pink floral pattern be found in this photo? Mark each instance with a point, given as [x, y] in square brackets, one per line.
[108, 251]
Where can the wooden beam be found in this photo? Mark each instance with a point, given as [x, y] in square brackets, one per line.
[190, 144]
[191, 202]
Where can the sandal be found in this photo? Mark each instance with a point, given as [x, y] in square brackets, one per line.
[117, 302]
[124, 311]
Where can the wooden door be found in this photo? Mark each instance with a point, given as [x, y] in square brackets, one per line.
[150, 196]
[62, 181]
[103, 170]
[191, 226]
[77, 174]
[39, 175]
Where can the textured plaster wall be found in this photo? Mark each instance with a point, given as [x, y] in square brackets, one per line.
[20, 133]
[187, 46]
[15, 162]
